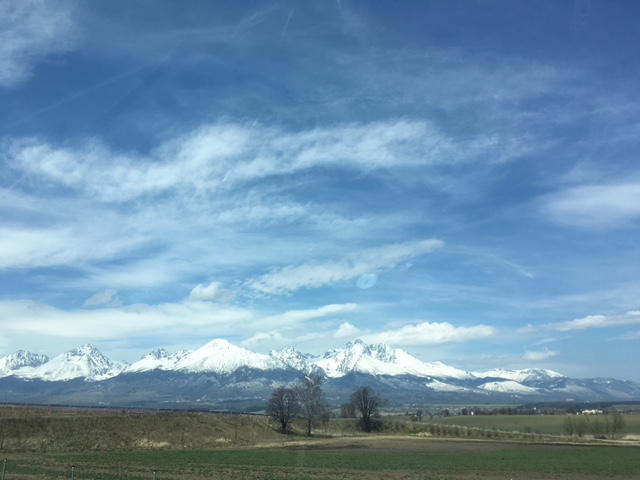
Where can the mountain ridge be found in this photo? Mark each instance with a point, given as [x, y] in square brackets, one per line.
[236, 372]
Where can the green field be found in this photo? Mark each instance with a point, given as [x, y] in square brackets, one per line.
[46, 444]
[379, 458]
[544, 424]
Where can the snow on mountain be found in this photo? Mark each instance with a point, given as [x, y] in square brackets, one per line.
[381, 360]
[295, 359]
[446, 387]
[220, 356]
[14, 363]
[508, 386]
[84, 362]
[526, 375]
[158, 360]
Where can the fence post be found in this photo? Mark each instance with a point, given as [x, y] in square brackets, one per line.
[154, 475]
[73, 472]
[4, 468]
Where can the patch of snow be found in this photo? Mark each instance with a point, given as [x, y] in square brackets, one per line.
[445, 387]
[525, 375]
[508, 386]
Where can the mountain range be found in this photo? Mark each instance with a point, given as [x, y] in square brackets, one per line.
[223, 375]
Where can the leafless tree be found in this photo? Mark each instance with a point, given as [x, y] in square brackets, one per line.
[283, 407]
[367, 404]
[313, 406]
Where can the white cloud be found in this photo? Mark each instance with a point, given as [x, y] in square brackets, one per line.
[314, 275]
[596, 321]
[220, 156]
[537, 356]
[293, 318]
[346, 330]
[32, 247]
[31, 30]
[213, 291]
[430, 333]
[106, 297]
[289, 328]
[594, 206]
[27, 317]
[629, 336]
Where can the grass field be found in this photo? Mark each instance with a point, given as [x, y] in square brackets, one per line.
[380, 457]
[545, 424]
[198, 446]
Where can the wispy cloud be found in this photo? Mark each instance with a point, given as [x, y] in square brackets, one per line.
[595, 321]
[313, 275]
[429, 333]
[218, 157]
[594, 207]
[106, 297]
[32, 30]
[213, 291]
[117, 322]
[629, 336]
[296, 317]
[540, 355]
[289, 328]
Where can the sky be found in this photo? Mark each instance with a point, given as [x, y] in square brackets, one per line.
[459, 179]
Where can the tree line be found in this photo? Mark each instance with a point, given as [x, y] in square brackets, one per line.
[600, 426]
[306, 400]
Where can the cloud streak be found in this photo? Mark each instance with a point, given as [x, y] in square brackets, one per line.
[596, 321]
[594, 207]
[430, 333]
[314, 275]
[32, 30]
[215, 158]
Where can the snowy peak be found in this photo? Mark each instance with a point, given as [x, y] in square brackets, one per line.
[520, 376]
[12, 364]
[220, 356]
[158, 360]
[381, 359]
[85, 362]
[293, 358]
[508, 386]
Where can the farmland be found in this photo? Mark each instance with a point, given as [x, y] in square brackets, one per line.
[354, 458]
[541, 424]
[45, 445]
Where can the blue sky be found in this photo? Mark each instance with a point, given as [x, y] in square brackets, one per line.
[459, 179]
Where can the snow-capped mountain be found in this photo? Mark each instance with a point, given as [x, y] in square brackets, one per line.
[220, 356]
[222, 372]
[509, 386]
[12, 364]
[526, 375]
[381, 360]
[158, 360]
[84, 362]
[302, 362]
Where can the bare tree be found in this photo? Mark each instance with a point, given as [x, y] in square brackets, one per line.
[347, 410]
[617, 424]
[283, 407]
[311, 399]
[368, 404]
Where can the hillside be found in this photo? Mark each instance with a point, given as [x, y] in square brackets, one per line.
[65, 430]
